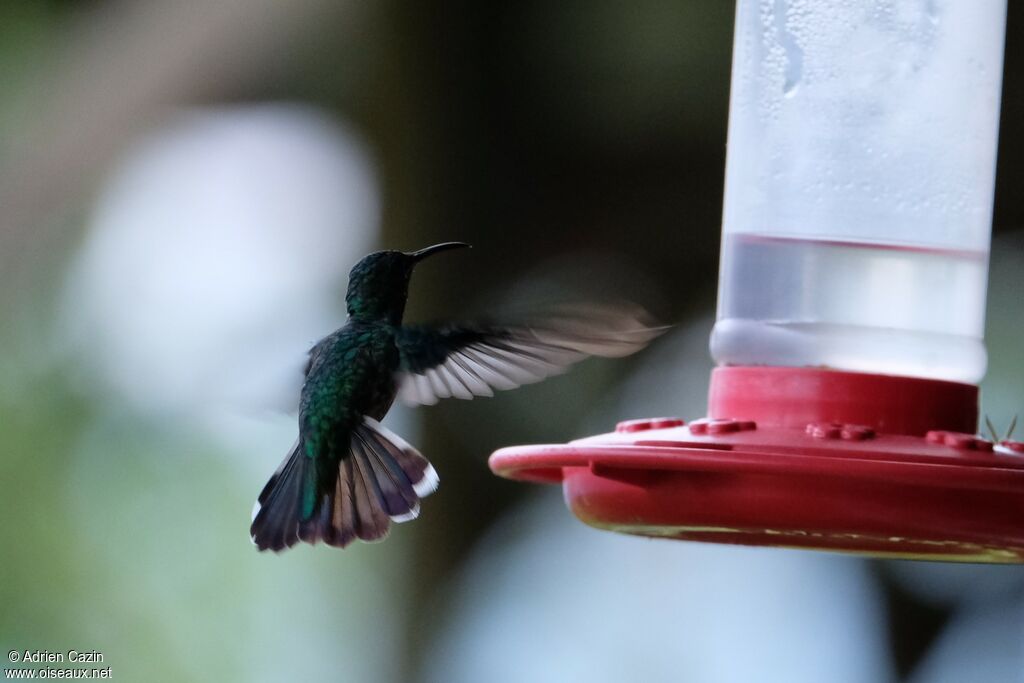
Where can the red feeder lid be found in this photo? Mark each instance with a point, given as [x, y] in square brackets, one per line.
[806, 458]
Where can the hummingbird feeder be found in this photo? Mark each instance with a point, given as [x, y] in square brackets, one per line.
[849, 338]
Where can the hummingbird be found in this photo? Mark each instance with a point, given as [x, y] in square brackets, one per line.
[348, 477]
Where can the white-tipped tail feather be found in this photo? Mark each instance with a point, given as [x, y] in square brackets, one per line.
[381, 480]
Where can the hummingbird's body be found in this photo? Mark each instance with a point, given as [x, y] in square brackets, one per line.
[348, 476]
[351, 375]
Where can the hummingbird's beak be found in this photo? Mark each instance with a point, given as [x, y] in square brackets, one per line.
[427, 251]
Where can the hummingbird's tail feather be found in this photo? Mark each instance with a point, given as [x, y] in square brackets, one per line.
[387, 479]
[381, 480]
[276, 515]
[416, 467]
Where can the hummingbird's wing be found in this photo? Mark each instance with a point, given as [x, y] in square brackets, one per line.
[467, 360]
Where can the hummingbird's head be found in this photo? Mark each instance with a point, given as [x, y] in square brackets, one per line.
[379, 284]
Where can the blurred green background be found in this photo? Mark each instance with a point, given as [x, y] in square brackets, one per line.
[167, 232]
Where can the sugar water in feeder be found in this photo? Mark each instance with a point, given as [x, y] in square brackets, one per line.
[859, 182]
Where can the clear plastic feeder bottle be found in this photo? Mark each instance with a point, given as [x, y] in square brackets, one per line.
[859, 182]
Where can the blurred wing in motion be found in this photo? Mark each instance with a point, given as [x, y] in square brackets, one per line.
[467, 360]
[288, 378]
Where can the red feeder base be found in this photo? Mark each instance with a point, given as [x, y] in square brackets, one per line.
[794, 470]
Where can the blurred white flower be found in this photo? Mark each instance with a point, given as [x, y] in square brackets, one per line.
[217, 254]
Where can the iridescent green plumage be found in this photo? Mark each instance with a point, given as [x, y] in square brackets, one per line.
[351, 374]
[348, 477]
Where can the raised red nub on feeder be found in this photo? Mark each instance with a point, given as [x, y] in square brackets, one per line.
[628, 426]
[959, 440]
[837, 430]
[728, 425]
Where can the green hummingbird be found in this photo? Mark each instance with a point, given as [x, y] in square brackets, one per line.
[348, 477]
